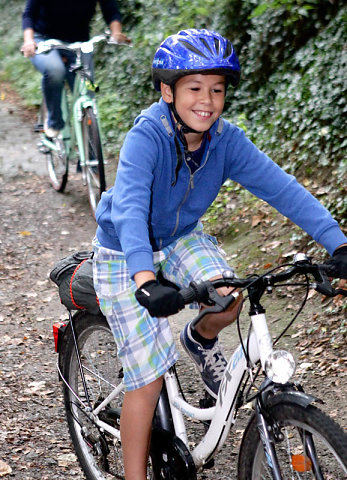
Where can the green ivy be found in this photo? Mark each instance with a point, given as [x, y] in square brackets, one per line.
[298, 116]
[292, 94]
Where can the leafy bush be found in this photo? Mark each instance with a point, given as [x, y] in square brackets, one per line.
[292, 97]
[298, 115]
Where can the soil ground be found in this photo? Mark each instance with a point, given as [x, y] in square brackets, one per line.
[40, 226]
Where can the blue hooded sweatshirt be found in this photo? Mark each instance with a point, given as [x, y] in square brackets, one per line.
[146, 209]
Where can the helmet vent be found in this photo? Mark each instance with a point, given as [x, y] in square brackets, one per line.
[217, 45]
[228, 50]
[192, 48]
[203, 41]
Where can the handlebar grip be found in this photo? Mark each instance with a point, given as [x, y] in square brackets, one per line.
[340, 291]
[188, 294]
[329, 270]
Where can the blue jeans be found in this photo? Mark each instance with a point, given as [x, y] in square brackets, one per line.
[55, 69]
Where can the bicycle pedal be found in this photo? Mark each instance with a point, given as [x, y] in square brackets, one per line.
[38, 128]
[43, 149]
[207, 402]
[208, 465]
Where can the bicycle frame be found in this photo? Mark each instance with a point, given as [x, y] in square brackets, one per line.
[275, 400]
[221, 415]
[255, 347]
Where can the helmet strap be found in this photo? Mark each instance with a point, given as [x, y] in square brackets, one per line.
[184, 127]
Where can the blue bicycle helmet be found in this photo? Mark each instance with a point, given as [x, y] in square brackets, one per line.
[194, 51]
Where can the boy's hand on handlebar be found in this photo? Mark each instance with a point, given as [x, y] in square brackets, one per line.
[338, 263]
[160, 300]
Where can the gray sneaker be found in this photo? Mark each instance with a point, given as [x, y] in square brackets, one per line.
[211, 362]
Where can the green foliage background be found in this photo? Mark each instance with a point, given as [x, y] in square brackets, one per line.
[292, 96]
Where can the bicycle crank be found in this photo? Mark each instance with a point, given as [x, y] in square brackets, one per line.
[171, 459]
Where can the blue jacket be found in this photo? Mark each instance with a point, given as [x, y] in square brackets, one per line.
[144, 212]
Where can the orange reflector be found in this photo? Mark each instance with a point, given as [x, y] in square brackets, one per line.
[89, 122]
[301, 463]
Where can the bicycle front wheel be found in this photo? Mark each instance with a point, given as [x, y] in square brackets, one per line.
[58, 165]
[56, 157]
[98, 452]
[313, 446]
[93, 169]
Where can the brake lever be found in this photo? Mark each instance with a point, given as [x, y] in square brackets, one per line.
[221, 303]
[202, 313]
[323, 284]
[340, 291]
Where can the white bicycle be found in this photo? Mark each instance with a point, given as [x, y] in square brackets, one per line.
[287, 436]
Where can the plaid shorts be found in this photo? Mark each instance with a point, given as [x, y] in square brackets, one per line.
[145, 344]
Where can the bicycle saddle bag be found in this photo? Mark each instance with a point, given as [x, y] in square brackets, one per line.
[74, 277]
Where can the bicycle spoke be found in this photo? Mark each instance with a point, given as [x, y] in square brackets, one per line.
[311, 447]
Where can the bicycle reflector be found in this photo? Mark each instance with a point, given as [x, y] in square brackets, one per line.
[58, 331]
[301, 463]
[280, 366]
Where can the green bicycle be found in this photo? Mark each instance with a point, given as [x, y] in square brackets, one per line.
[81, 134]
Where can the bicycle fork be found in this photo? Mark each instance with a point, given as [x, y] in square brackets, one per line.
[266, 432]
[269, 430]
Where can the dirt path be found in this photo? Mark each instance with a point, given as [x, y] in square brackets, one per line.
[39, 226]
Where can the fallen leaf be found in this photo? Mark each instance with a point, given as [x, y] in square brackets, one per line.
[256, 219]
[274, 244]
[311, 293]
[4, 469]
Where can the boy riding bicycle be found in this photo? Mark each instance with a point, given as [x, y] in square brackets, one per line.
[172, 165]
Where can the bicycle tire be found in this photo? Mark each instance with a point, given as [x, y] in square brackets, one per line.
[56, 160]
[99, 359]
[93, 168]
[295, 421]
[98, 452]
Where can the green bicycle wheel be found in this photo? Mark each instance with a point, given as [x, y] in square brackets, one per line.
[93, 169]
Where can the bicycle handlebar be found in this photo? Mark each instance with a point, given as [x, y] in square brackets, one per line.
[205, 292]
[85, 47]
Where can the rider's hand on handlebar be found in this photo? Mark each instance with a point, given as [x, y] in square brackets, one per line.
[338, 263]
[29, 48]
[119, 38]
[160, 300]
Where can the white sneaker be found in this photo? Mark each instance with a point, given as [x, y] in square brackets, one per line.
[50, 132]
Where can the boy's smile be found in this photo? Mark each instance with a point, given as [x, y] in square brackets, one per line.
[199, 99]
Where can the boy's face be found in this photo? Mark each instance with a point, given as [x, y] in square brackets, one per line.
[199, 99]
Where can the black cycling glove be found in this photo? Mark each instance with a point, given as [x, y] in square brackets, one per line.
[338, 263]
[160, 300]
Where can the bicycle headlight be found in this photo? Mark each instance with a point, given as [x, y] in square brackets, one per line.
[280, 366]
